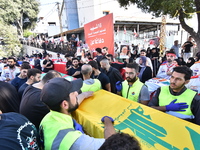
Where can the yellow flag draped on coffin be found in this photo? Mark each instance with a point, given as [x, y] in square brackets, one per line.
[154, 129]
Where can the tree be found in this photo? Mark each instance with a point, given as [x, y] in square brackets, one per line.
[9, 36]
[181, 9]
[21, 13]
[27, 34]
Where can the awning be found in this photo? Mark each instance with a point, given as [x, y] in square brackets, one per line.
[78, 30]
[143, 26]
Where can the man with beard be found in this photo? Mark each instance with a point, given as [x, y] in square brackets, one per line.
[47, 63]
[33, 76]
[31, 106]
[176, 99]
[166, 68]
[22, 77]
[97, 74]
[75, 70]
[132, 88]
[59, 130]
[112, 73]
[10, 72]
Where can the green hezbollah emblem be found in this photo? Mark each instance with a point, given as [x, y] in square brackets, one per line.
[143, 127]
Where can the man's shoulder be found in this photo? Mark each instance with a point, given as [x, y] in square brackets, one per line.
[16, 79]
[32, 90]
[23, 87]
[113, 69]
[102, 75]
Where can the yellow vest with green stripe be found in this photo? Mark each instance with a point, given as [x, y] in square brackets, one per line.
[165, 98]
[132, 92]
[91, 87]
[58, 131]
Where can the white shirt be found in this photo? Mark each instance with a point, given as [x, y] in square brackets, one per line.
[7, 72]
[196, 68]
[164, 68]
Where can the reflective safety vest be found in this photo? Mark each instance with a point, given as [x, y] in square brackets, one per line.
[132, 92]
[58, 130]
[165, 98]
[91, 87]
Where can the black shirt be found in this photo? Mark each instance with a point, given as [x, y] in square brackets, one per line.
[114, 76]
[118, 66]
[103, 79]
[188, 47]
[45, 62]
[68, 64]
[17, 132]
[147, 74]
[37, 64]
[72, 70]
[31, 106]
[21, 90]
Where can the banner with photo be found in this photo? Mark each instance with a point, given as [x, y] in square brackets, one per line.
[154, 129]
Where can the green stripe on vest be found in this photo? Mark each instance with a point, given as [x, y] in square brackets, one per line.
[58, 131]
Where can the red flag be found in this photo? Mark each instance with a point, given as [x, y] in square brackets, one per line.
[124, 29]
[135, 33]
[152, 42]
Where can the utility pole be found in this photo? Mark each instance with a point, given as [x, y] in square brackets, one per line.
[60, 21]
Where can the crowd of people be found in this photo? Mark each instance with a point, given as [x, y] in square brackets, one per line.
[36, 111]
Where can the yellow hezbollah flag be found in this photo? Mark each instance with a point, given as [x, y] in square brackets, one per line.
[154, 129]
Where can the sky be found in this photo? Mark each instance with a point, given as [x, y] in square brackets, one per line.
[48, 8]
[49, 12]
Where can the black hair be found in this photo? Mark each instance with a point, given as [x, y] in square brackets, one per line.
[67, 55]
[121, 141]
[110, 55]
[33, 72]
[133, 66]
[45, 55]
[75, 59]
[184, 70]
[98, 50]
[56, 107]
[94, 64]
[9, 99]
[143, 50]
[105, 48]
[25, 65]
[178, 62]
[12, 58]
[170, 51]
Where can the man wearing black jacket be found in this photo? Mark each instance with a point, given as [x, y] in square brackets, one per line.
[113, 74]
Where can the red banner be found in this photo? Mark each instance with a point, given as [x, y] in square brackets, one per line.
[99, 33]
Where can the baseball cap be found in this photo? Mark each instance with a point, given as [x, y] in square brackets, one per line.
[58, 89]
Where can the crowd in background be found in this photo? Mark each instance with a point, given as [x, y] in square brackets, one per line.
[95, 67]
